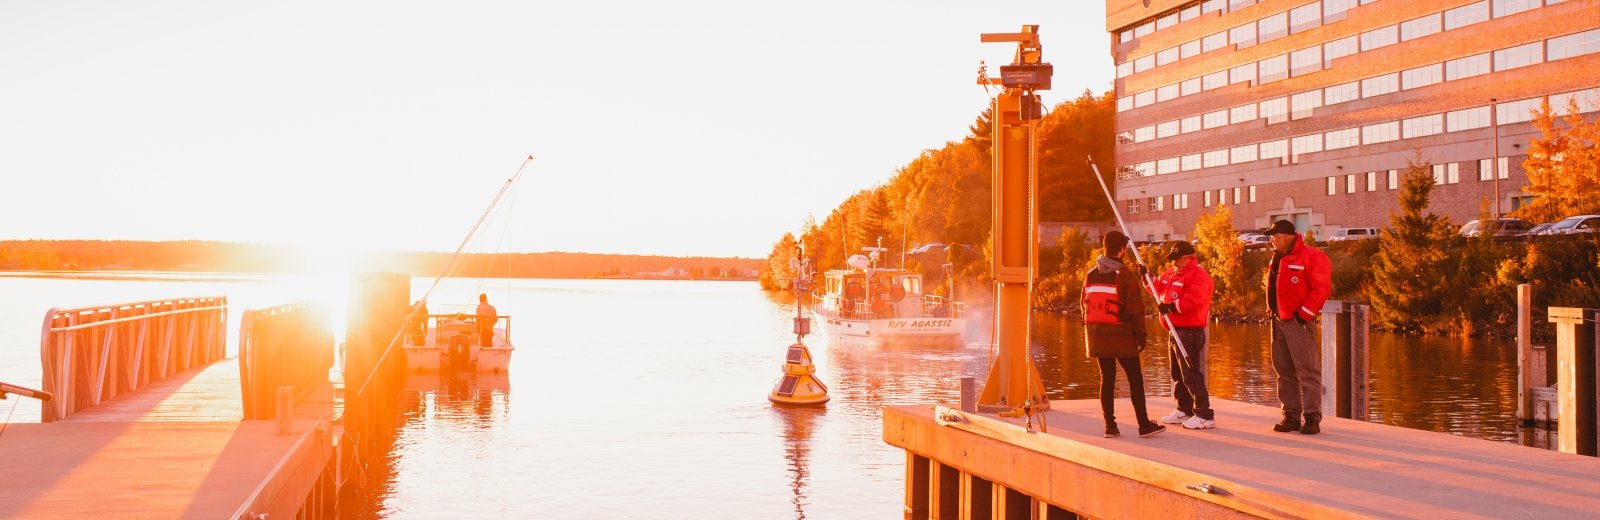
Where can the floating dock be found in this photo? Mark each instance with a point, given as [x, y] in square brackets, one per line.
[983, 466]
[177, 448]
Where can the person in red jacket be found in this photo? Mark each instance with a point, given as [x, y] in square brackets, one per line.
[1297, 284]
[1185, 299]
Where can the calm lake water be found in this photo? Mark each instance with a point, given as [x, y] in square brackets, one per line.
[630, 399]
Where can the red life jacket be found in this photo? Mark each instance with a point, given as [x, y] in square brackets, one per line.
[1100, 301]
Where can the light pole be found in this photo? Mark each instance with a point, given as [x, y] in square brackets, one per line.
[1494, 162]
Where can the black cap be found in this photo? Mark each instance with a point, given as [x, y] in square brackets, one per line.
[1180, 249]
[1281, 227]
[1114, 241]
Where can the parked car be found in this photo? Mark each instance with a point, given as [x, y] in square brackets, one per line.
[1501, 227]
[1539, 229]
[1577, 224]
[1353, 233]
[1254, 241]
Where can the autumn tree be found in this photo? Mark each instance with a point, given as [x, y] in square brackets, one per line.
[1222, 254]
[1563, 165]
[778, 264]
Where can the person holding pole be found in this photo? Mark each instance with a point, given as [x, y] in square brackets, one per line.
[1185, 299]
[1298, 282]
[1113, 316]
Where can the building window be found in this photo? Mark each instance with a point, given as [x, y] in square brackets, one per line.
[1350, 183]
[1304, 103]
[1394, 179]
[1518, 111]
[1422, 76]
[1189, 13]
[1133, 206]
[1124, 104]
[1467, 119]
[1449, 173]
[1587, 101]
[1213, 80]
[1144, 63]
[1189, 87]
[1419, 27]
[1334, 10]
[1243, 113]
[1242, 74]
[1167, 56]
[1275, 110]
[1211, 5]
[1167, 93]
[1167, 21]
[1380, 37]
[1273, 69]
[1380, 85]
[1252, 193]
[1222, 196]
[1343, 138]
[1189, 49]
[1167, 129]
[1305, 17]
[1144, 134]
[1466, 67]
[1146, 169]
[1333, 186]
[1189, 124]
[1372, 181]
[1275, 149]
[1466, 15]
[1341, 93]
[1380, 133]
[1208, 198]
[1486, 169]
[1235, 195]
[1587, 42]
[1166, 166]
[1190, 162]
[1340, 48]
[1422, 126]
[1273, 27]
[1125, 37]
[1213, 42]
[1242, 154]
[1216, 158]
[1243, 36]
[1303, 145]
[1144, 99]
[1215, 119]
[1519, 56]
[1160, 203]
[1235, 5]
[1124, 69]
[1510, 7]
[1305, 61]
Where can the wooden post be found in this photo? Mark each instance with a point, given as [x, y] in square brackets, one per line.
[918, 485]
[969, 394]
[1358, 374]
[285, 410]
[1344, 359]
[1575, 377]
[1524, 353]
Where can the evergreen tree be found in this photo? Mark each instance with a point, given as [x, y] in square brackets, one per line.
[1411, 270]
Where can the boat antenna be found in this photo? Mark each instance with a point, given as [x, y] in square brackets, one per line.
[455, 259]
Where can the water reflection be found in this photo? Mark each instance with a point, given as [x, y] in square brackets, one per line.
[796, 425]
[467, 399]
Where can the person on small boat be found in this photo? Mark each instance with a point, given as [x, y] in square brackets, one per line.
[419, 322]
[487, 316]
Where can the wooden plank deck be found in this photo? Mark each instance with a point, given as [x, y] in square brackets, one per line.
[1353, 469]
[175, 449]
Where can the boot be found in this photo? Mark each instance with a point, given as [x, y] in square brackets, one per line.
[1313, 424]
[1290, 423]
[1111, 430]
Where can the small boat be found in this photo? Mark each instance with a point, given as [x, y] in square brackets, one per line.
[886, 306]
[451, 342]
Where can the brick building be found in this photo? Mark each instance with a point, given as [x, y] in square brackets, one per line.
[1309, 109]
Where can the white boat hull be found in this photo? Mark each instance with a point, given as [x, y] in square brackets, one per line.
[894, 331]
[432, 355]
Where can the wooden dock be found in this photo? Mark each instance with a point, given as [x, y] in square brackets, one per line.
[177, 448]
[983, 466]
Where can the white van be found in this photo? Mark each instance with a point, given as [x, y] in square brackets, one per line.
[1353, 233]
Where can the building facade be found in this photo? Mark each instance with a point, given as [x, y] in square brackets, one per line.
[1309, 110]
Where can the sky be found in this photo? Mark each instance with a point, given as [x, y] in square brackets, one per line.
[700, 128]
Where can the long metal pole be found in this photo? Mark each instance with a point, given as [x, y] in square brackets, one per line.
[1149, 284]
[1494, 120]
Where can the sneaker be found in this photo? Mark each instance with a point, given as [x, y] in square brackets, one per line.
[1290, 423]
[1198, 423]
[1111, 431]
[1176, 417]
[1313, 424]
[1151, 429]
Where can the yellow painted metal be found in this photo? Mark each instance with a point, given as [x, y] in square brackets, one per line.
[1014, 379]
[799, 385]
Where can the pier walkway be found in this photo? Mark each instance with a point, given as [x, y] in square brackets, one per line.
[176, 448]
[983, 466]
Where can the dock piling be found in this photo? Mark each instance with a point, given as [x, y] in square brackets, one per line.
[1525, 353]
[1344, 359]
[285, 410]
[1575, 378]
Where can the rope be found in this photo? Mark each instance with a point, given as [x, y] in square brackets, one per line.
[7, 422]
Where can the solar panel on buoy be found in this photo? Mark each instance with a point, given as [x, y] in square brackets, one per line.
[796, 355]
[786, 388]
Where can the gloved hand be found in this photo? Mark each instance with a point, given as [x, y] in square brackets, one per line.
[1144, 270]
[1167, 308]
[1298, 319]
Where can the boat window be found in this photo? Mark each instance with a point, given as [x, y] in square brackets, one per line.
[912, 285]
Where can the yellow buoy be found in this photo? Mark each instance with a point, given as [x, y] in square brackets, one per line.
[799, 385]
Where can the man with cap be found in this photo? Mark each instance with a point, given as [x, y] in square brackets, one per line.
[1298, 282]
[1113, 318]
[1185, 299]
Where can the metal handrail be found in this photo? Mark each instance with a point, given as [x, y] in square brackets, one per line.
[91, 354]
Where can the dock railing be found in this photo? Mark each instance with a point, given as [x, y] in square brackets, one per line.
[284, 346]
[92, 354]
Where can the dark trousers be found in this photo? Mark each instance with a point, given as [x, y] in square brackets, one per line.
[486, 336]
[1295, 358]
[1108, 387]
[1189, 373]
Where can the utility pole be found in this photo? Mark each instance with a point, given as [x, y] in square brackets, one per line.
[1494, 121]
[1014, 384]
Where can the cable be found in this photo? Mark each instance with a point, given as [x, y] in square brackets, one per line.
[7, 422]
